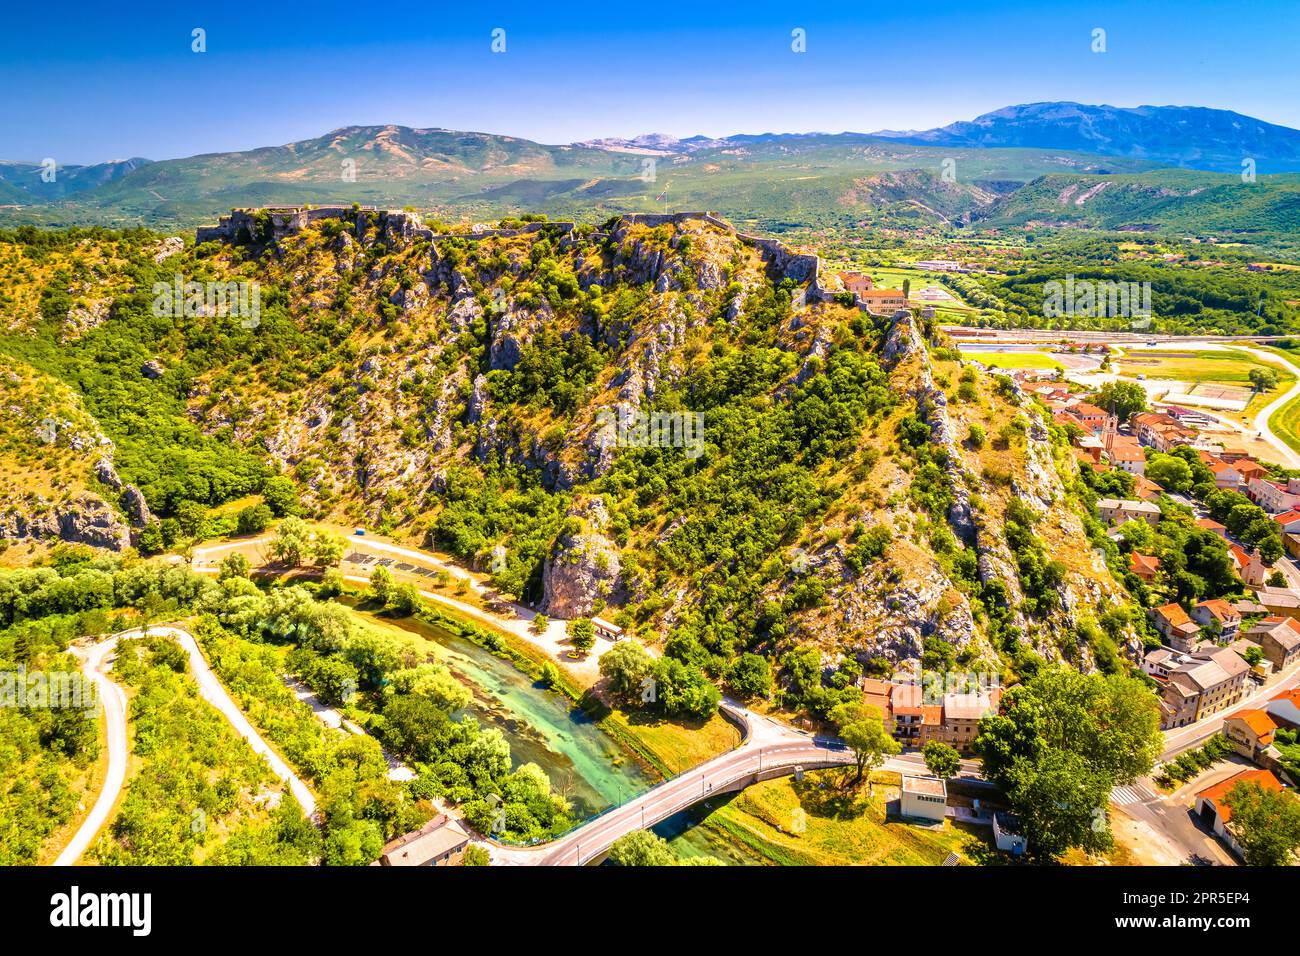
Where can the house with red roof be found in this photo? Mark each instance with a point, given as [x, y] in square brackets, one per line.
[1225, 475]
[1174, 625]
[1248, 468]
[1144, 489]
[1220, 611]
[1144, 566]
[1094, 419]
[1288, 520]
[1250, 567]
[1274, 496]
[1209, 524]
[1251, 732]
[1212, 805]
[856, 282]
[1127, 455]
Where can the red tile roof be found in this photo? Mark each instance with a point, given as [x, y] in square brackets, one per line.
[1174, 614]
[1220, 608]
[1257, 720]
[1216, 793]
[1143, 563]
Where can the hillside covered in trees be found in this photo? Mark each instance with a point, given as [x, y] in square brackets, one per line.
[662, 422]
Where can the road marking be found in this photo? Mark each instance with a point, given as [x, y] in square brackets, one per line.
[1125, 796]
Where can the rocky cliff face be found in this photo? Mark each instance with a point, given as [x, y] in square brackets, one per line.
[84, 519]
[584, 565]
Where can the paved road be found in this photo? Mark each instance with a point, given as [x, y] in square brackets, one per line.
[1171, 821]
[770, 749]
[331, 718]
[1053, 336]
[1290, 458]
[1287, 455]
[95, 656]
[215, 694]
[515, 618]
[95, 659]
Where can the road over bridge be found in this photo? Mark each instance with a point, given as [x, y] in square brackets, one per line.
[770, 749]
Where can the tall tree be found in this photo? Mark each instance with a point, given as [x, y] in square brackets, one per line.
[292, 541]
[1062, 742]
[941, 759]
[1266, 824]
[863, 729]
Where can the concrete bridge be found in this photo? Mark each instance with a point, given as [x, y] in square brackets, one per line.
[769, 749]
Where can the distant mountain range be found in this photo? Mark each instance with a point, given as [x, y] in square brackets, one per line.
[1190, 136]
[963, 174]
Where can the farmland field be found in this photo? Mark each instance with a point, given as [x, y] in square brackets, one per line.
[1014, 360]
[1228, 365]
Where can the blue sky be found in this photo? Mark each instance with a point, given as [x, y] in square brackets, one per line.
[85, 83]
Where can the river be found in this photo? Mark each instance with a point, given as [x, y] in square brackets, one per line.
[584, 763]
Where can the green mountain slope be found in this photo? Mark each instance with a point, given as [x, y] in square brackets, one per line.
[1171, 199]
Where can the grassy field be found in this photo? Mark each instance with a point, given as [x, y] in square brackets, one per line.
[673, 746]
[820, 822]
[1229, 366]
[1014, 360]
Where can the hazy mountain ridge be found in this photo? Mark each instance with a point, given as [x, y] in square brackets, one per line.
[1191, 136]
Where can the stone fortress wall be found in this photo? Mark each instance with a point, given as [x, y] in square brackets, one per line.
[243, 225]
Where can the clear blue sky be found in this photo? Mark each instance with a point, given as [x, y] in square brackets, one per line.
[89, 82]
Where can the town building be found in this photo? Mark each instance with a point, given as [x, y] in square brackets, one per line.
[1251, 732]
[1195, 686]
[1220, 611]
[1146, 489]
[1248, 468]
[1127, 455]
[1115, 511]
[1094, 419]
[1288, 521]
[924, 798]
[1226, 475]
[1249, 565]
[1160, 431]
[1274, 496]
[882, 301]
[1090, 445]
[1175, 626]
[958, 718]
[857, 282]
[1209, 524]
[914, 721]
[440, 842]
[1145, 566]
[1278, 639]
[1279, 602]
